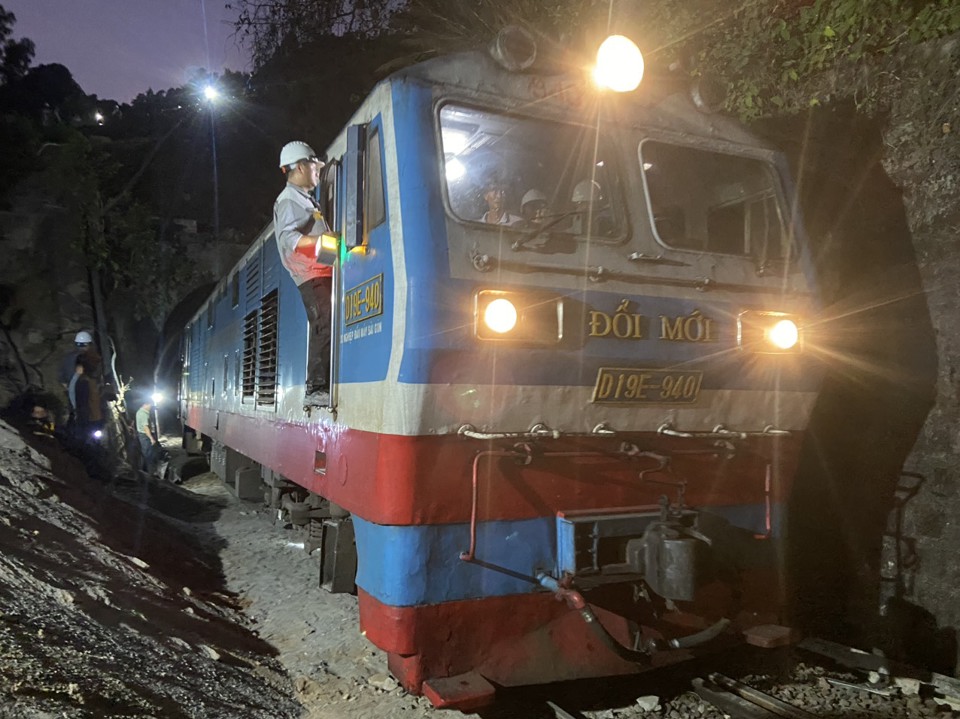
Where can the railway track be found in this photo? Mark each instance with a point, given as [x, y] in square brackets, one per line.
[814, 679]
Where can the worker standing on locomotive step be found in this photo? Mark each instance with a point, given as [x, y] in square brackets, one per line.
[298, 225]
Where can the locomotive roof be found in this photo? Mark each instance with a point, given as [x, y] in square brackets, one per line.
[662, 102]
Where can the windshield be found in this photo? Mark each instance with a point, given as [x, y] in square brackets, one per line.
[529, 175]
[713, 202]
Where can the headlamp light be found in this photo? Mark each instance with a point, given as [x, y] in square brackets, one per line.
[328, 248]
[784, 334]
[500, 315]
[527, 317]
[769, 332]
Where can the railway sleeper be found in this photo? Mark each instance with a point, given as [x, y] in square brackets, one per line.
[743, 701]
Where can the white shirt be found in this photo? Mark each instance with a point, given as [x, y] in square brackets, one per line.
[295, 214]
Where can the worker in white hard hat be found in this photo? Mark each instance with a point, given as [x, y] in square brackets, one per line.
[298, 225]
[591, 212]
[83, 349]
[533, 209]
[82, 345]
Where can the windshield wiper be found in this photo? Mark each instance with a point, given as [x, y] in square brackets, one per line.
[531, 235]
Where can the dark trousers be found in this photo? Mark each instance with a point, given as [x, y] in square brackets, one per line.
[317, 296]
[147, 454]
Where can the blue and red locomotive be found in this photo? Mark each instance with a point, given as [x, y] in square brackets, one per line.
[568, 363]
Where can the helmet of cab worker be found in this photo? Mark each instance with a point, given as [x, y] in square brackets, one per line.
[586, 191]
[533, 195]
[297, 151]
[83, 338]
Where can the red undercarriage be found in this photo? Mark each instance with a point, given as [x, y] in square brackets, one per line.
[535, 638]
[529, 638]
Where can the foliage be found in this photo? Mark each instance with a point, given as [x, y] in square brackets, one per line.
[118, 236]
[15, 55]
[151, 271]
[273, 27]
[773, 53]
[49, 94]
[19, 144]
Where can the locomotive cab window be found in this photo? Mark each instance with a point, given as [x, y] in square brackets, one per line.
[374, 205]
[524, 174]
[328, 194]
[714, 202]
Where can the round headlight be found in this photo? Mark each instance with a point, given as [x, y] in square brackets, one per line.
[500, 315]
[784, 334]
[619, 64]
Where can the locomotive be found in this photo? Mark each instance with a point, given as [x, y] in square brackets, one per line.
[559, 443]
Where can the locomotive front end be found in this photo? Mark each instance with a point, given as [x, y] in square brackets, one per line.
[605, 364]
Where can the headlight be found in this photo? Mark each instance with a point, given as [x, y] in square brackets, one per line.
[769, 332]
[784, 334]
[500, 315]
[619, 64]
[528, 317]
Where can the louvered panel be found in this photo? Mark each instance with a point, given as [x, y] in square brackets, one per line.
[270, 274]
[267, 360]
[248, 371]
[253, 284]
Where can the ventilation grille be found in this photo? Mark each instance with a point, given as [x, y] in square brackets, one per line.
[267, 360]
[249, 364]
[252, 293]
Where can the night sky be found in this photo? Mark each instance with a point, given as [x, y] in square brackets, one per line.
[117, 49]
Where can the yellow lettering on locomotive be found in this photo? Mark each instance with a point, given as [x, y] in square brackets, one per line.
[641, 386]
[623, 324]
[363, 301]
[687, 328]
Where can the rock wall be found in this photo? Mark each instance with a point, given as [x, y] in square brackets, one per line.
[46, 297]
[874, 543]
[922, 155]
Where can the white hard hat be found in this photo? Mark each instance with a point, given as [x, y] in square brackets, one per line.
[586, 191]
[294, 152]
[83, 338]
[532, 196]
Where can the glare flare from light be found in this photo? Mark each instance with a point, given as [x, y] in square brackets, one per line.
[454, 141]
[455, 169]
[619, 64]
[784, 334]
[500, 315]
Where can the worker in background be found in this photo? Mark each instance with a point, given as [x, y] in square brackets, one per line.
[90, 418]
[146, 436]
[41, 421]
[82, 346]
[298, 225]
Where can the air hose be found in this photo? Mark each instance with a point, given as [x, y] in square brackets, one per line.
[575, 600]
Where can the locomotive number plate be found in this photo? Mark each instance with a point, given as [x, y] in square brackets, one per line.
[654, 386]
